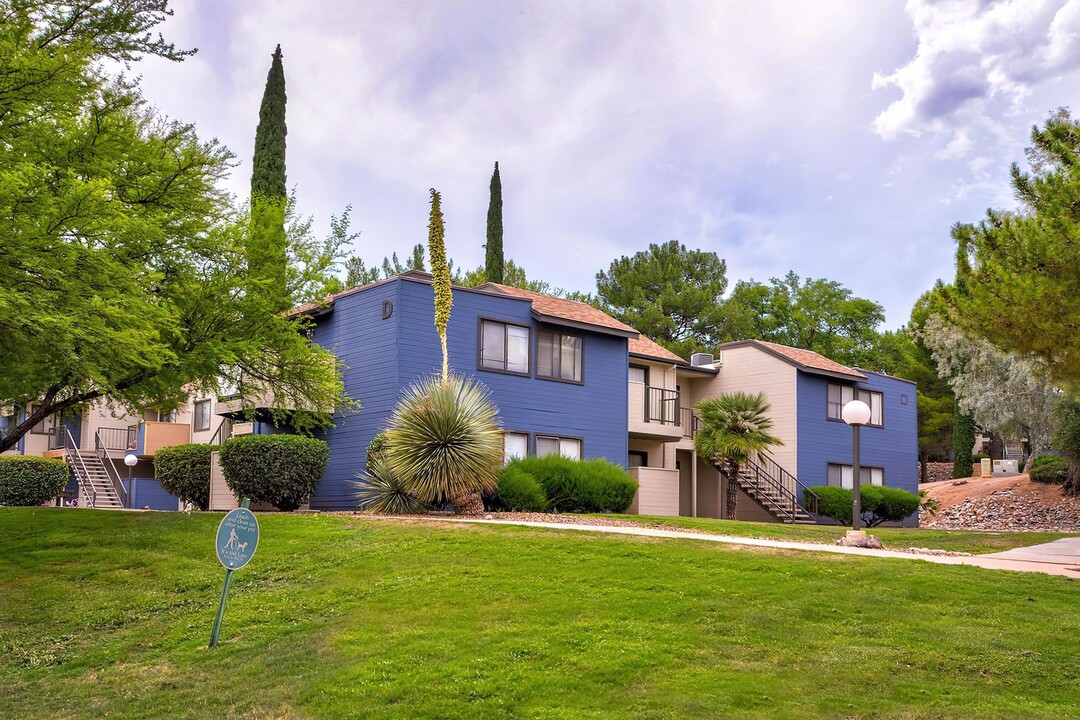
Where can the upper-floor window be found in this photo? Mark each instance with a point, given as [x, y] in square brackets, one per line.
[841, 395]
[202, 415]
[841, 475]
[47, 425]
[639, 374]
[551, 445]
[504, 347]
[558, 356]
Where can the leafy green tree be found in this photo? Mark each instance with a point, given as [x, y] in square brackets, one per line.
[122, 270]
[1066, 439]
[269, 198]
[493, 250]
[670, 294]
[1017, 283]
[734, 428]
[813, 314]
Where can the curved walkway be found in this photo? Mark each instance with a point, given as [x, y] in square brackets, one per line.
[1061, 557]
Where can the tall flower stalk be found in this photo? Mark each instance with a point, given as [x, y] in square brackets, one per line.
[440, 277]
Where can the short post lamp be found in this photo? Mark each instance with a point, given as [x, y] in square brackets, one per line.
[856, 414]
[131, 460]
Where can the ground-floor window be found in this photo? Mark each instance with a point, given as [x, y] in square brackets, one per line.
[637, 458]
[551, 445]
[515, 445]
[841, 475]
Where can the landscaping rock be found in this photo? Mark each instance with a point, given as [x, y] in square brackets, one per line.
[1007, 510]
[869, 541]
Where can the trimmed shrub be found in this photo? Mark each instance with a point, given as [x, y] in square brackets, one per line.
[184, 471]
[29, 481]
[282, 470]
[1046, 459]
[518, 491]
[979, 458]
[834, 502]
[378, 490]
[376, 451]
[963, 440]
[878, 503]
[580, 485]
[1054, 470]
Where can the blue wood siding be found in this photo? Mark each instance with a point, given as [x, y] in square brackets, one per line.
[383, 357]
[893, 447]
[147, 492]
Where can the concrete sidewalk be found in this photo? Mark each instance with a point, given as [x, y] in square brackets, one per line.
[1061, 557]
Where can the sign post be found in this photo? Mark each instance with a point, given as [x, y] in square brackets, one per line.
[237, 539]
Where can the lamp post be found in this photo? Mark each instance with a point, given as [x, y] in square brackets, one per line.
[856, 414]
[131, 460]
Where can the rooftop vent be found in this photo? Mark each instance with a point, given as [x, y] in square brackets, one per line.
[704, 359]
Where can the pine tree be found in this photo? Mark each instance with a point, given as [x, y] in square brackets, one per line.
[493, 259]
[267, 250]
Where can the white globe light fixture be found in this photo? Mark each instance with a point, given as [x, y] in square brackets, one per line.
[131, 460]
[856, 414]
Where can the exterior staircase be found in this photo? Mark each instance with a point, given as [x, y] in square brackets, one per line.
[778, 491]
[96, 484]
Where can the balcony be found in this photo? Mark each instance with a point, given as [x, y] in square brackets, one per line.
[152, 436]
[654, 413]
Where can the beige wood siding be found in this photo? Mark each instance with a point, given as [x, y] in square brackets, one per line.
[658, 491]
[748, 369]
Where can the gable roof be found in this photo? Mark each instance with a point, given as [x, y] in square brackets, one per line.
[642, 346]
[805, 360]
[560, 311]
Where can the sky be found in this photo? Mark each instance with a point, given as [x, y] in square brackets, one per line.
[838, 139]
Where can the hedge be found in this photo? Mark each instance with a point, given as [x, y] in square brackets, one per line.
[282, 470]
[878, 503]
[1054, 469]
[184, 471]
[580, 485]
[29, 481]
[518, 491]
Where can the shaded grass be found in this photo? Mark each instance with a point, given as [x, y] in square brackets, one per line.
[109, 614]
[972, 541]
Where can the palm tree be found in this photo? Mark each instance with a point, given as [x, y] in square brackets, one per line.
[734, 427]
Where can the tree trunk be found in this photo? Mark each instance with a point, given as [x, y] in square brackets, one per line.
[1072, 480]
[732, 497]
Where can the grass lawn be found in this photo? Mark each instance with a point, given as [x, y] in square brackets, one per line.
[108, 614]
[972, 541]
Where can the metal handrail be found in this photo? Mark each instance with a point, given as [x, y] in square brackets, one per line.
[114, 478]
[113, 438]
[664, 399]
[810, 500]
[219, 437]
[787, 503]
[690, 421]
[73, 449]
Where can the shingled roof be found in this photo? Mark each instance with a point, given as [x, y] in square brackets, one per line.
[646, 348]
[807, 360]
[563, 311]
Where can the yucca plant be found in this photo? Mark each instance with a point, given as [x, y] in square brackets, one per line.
[444, 442]
[379, 490]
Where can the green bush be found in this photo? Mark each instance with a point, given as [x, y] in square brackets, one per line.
[963, 439]
[184, 471]
[518, 491]
[376, 451]
[979, 458]
[580, 485]
[282, 470]
[1054, 470]
[29, 481]
[878, 503]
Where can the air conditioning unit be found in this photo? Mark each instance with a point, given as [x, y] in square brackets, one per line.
[705, 359]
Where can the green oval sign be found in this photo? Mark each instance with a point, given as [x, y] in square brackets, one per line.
[237, 538]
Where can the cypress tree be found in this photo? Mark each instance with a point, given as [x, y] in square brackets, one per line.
[267, 249]
[963, 441]
[493, 258]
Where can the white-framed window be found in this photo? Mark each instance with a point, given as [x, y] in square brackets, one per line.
[552, 445]
[841, 475]
[202, 415]
[504, 347]
[639, 374]
[558, 356]
[515, 445]
[840, 395]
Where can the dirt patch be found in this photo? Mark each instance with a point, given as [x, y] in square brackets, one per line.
[1011, 503]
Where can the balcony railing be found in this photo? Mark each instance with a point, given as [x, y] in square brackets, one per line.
[119, 438]
[689, 420]
[662, 406]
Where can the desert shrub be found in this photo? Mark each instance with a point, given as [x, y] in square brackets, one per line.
[378, 490]
[184, 471]
[518, 491]
[1046, 459]
[376, 451]
[282, 470]
[29, 481]
[443, 442]
[878, 503]
[1054, 470]
[1020, 466]
[581, 485]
